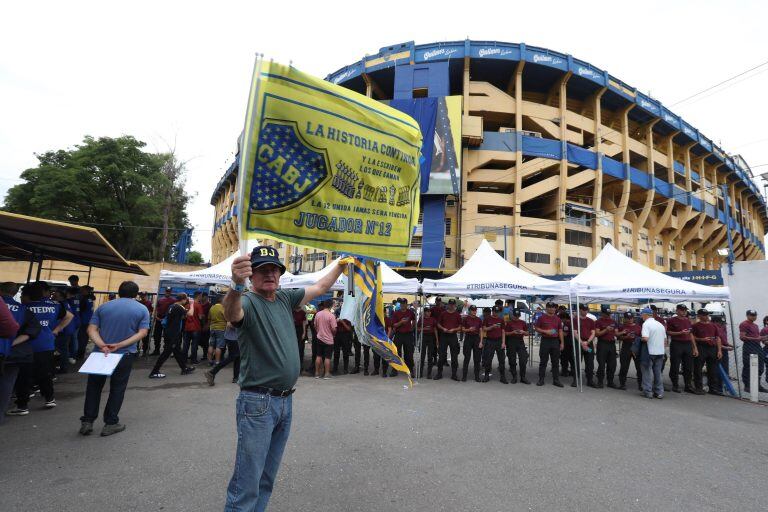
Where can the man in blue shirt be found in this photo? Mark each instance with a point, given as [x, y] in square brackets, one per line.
[115, 327]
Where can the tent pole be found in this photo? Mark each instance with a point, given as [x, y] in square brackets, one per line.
[735, 355]
[580, 381]
[420, 337]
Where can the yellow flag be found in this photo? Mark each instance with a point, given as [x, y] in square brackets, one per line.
[325, 167]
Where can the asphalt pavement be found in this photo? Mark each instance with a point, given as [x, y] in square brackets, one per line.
[367, 443]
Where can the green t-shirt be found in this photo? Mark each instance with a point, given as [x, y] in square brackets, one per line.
[269, 351]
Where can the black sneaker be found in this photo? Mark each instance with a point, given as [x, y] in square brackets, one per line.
[557, 383]
[50, 404]
[108, 430]
[17, 411]
[523, 380]
[86, 428]
[503, 380]
[187, 370]
[540, 383]
[210, 377]
[365, 372]
[156, 375]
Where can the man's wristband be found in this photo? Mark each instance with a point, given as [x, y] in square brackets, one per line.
[239, 288]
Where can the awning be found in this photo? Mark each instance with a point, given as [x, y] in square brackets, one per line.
[24, 238]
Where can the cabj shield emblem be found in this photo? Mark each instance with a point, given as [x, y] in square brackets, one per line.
[288, 169]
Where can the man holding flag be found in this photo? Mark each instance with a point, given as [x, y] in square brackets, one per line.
[269, 368]
[322, 167]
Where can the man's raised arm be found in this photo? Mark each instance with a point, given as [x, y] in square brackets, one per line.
[323, 285]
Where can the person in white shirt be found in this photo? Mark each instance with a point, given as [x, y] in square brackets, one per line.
[654, 337]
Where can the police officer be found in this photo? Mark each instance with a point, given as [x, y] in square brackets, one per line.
[627, 335]
[471, 327]
[492, 343]
[752, 338]
[514, 330]
[428, 327]
[682, 348]
[449, 324]
[705, 334]
[584, 328]
[403, 324]
[550, 327]
[605, 331]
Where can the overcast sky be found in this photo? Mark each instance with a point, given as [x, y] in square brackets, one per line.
[165, 71]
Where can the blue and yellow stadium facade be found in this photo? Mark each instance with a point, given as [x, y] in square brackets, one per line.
[557, 158]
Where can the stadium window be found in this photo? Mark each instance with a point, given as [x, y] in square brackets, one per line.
[500, 252]
[422, 92]
[447, 225]
[605, 241]
[628, 253]
[450, 202]
[536, 257]
[574, 261]
[660, 260]
[626, 229]
[578, 238]
[447, 252]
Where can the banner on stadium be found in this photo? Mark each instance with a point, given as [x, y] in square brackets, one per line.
[367, 311]
[325, 167]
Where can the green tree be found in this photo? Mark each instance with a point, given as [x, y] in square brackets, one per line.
[194, 258]
[113, 185]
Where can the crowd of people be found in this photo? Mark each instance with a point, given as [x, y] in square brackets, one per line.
[692, 345]
[55, 324]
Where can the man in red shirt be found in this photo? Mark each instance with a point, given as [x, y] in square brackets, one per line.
[514, 330]
[628, 333]
[605, 330]
[471, 326]
[342, 345]
[403, 324]
[428, 327]
[682, 348]
[192, 328]
[163, 303]
[550, 327]
[584, 329]
[492, 342]
[449, 324]
[707, 339]
[751, 337]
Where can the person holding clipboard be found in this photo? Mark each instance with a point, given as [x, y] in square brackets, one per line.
[115, 328]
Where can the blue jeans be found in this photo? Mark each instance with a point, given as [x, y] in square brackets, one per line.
[263, 426]
[652, 380]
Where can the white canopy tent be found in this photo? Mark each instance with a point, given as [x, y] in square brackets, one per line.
[613, 277]
[218, 274]
[487, 273]
[391, 281]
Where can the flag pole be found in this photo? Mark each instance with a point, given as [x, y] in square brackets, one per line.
[245, 153]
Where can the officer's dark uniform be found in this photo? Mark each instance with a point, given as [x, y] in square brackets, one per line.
[516, 348]
[342, 345]
[606, 348]
[403, 336]
[471, 326]
[428, 327]
[680, 349]
[583, 327]
[628, 334]
[366, 350]
[493, 343]
[449, 321]
[549, 349]
[567, 361]
[707, 340]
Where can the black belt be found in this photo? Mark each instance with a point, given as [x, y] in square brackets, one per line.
[268, 391]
